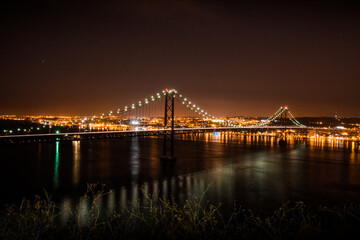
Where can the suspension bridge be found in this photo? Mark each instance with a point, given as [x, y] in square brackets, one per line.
[164, 113]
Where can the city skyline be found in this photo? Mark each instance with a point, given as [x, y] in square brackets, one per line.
[63, 58]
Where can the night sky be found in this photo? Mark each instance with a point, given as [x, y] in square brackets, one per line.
[248, 58]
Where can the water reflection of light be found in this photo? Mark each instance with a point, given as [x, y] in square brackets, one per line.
[123, 198]
[146, 188]
[76, 163]
[56, 169]
[188, 184]
[65, 211]
[134, 158]
[153, 158]
[134, 193]
[111, 203]
[173, 184]
[165, 190]
[39, 157]
[83, 211]
[269, 174]
[156, 188]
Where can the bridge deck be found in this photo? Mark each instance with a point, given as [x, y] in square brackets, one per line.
[107, 134]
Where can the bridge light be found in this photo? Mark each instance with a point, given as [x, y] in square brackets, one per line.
[194, 105]
[189, 102]
[185, 99]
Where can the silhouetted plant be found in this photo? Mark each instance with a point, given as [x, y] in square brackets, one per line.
[159, 218]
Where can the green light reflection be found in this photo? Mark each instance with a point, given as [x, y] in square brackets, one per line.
[56, 170]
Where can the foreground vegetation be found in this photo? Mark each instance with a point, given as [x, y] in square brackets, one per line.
[157, 218]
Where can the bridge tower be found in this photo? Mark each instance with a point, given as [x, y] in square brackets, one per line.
[285, 113]
[283, 135]
[168, 147]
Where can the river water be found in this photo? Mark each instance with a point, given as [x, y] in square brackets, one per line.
[254, 171]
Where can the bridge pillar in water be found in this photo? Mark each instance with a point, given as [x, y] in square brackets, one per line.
[168, 147]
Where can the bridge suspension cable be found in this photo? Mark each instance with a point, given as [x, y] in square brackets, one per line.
[295, 121]
[193, 107]
[156, 98]
[276, 115]
[144, 107]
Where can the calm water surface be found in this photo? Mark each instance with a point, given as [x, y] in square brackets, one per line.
[254, 171]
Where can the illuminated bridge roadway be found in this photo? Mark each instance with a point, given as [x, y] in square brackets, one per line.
[155, 132]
